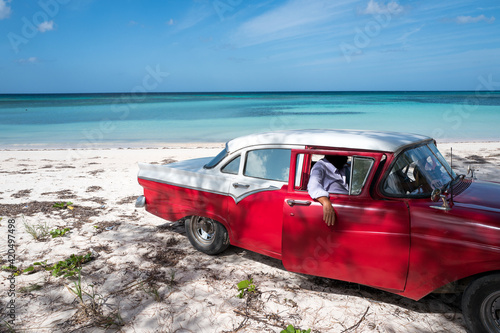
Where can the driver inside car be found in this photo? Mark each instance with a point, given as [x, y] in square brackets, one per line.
[329, 175]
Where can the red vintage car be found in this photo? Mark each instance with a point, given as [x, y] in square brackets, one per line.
[409, 225]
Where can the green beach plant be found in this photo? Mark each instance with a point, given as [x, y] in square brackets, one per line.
[91, 304]
[30, 288]
[32, 268]
[39, 232]
[66, 268]
[6, 327]
[171, 282]
[292, 329]
[245, 287]
[59, 232]
[9, 268]
[70, 266]
[152, 290]
[63, 205]
[77, 290]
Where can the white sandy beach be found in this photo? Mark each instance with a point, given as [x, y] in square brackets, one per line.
[148, 277]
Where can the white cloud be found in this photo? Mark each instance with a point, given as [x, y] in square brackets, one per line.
[294, 19]
[470, 19]
[4, 9]
[405, 36]
[30, 60]
[46, 26]
[194, 16]
[375, 8]
[170, 22]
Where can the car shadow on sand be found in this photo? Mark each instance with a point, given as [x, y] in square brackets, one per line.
[447, 305]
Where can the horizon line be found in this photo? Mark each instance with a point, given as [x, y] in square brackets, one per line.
[248, 92]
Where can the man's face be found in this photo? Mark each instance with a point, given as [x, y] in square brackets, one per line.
[338, 161]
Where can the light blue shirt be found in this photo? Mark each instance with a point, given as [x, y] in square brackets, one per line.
[325, 178]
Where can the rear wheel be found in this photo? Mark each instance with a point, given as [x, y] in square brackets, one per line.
[481, 304]
[207, 235]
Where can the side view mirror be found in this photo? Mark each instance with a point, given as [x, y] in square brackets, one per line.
[436, 195]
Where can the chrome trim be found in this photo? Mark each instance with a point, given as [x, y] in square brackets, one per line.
[291, 203]
[479, 207]
[236, 199]
[243, 196]
[446, 206]
[238, 185]
[140, 202]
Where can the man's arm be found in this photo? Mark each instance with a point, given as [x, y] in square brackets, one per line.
[317, 191]
[328, 211]
[315, 186]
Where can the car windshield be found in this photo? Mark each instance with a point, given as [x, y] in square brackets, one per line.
[418, 171]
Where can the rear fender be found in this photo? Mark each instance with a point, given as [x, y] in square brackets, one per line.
[173, 203]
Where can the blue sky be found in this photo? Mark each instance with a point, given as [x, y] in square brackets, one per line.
[51, 46]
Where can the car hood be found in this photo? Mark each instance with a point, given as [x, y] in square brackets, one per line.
[481, 194]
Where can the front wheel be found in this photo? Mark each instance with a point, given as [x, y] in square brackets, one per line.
[481, 304]
[206, 235]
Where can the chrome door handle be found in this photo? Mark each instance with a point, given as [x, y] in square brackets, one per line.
[292, 203]
[237, 185]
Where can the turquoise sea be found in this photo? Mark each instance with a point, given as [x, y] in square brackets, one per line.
[128, 120]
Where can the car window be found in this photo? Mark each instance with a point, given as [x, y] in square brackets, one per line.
[272, 164]
[302, 178]
[417, 172]
[361, 167]
[441, 159]
[232, 167]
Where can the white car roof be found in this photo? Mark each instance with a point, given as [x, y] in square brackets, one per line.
[349, 139]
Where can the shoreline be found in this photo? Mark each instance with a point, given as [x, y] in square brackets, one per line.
[155, 145]
[176, 145]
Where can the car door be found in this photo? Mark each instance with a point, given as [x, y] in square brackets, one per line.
[369, 243]
[255, 212]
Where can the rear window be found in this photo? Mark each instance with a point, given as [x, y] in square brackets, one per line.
[216, 159]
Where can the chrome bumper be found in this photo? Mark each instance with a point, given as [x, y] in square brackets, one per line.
[140, 202]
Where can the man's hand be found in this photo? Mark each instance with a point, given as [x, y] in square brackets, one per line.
[328, 211]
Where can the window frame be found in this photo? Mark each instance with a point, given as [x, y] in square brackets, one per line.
[376, 156]
[217, 159]
[353, 157]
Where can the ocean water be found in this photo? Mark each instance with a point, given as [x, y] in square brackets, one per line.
[126, 120]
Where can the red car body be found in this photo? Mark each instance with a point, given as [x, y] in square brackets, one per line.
[405, 244]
